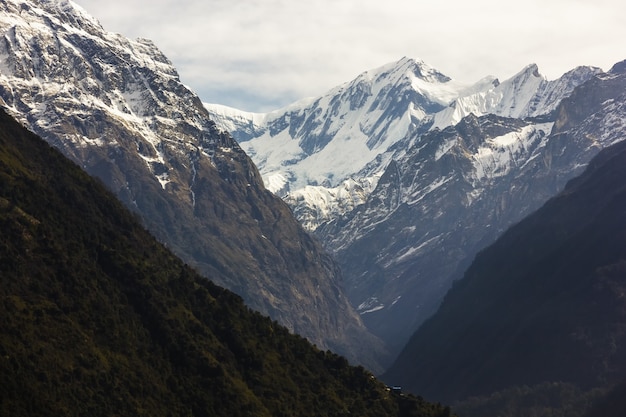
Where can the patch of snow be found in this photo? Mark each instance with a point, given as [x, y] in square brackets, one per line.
[498, 155]
[396, 300]
[444, 148]
[323, 203]
[164, 179]
[275, 182]
[420, 193]
[413, 251]
[369, 306]
[372, 310]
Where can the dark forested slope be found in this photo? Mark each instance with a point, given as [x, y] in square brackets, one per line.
[97, 318]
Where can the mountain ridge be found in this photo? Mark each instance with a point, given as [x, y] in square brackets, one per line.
[461, 188]
[356, 127]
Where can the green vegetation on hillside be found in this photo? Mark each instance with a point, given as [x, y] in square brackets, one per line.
[99, 319]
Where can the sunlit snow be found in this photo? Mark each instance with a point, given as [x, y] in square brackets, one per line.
[357, 122]
[498, 157]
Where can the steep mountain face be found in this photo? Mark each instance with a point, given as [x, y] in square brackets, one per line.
[453, 191]
[118, 108]
[544, 303]
[100, 319]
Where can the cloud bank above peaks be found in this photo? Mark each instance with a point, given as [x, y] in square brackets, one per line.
[258, 55]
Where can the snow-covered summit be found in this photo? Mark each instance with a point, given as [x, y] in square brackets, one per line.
[356, 128]
[324, 141]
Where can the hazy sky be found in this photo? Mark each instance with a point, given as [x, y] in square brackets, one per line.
[258, 55]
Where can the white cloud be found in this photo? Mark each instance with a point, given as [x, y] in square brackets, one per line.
[259, 54]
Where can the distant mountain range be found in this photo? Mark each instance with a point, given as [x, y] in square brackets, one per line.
[404, 175]
[118, 109]
[313, 152]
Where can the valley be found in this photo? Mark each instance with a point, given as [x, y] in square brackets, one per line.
[461, 242]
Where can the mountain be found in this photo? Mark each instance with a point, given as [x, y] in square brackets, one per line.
[311, 151]
[100, 319]
[436, 185]
[526, 94]
[451, 192]
[118, 109]
[324, 155]
[544, 304]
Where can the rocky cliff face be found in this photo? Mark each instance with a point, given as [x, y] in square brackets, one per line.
[118, 109]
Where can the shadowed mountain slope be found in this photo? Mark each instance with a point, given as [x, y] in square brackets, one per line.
[100, 319]
[545, 303]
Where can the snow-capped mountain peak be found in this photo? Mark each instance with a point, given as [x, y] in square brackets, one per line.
[323, 141]
[55, 52]
[356, 128]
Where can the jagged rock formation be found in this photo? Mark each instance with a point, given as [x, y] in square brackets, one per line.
[118, 109]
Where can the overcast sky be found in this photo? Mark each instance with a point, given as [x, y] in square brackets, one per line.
[259, 55]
